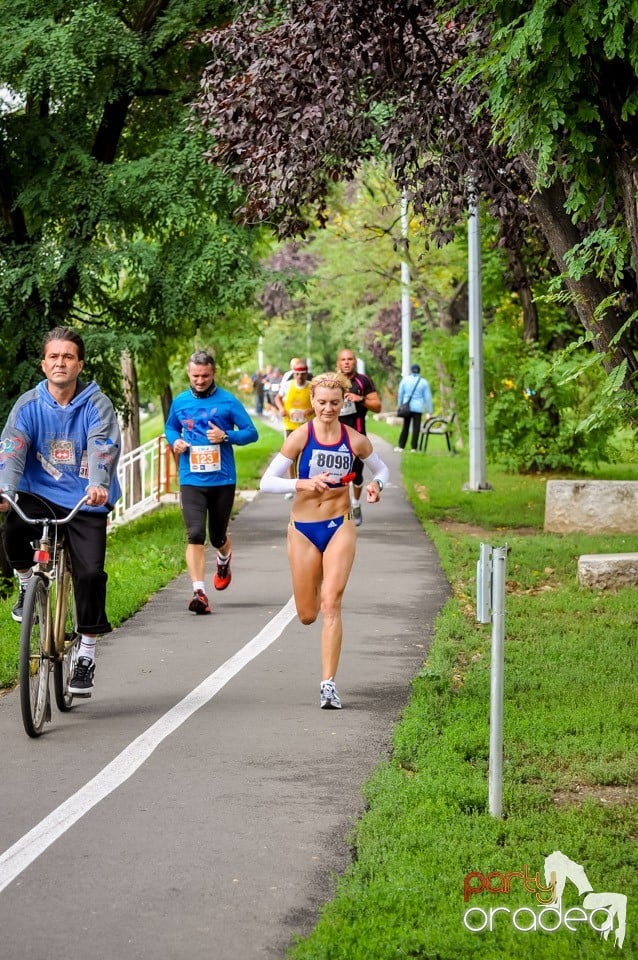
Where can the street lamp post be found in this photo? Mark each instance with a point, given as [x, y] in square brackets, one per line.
[406, 332]
[477, 479]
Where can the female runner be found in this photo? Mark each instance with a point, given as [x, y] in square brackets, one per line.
[322, 533]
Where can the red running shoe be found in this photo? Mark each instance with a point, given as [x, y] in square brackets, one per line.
[199, 603]
[222, 576]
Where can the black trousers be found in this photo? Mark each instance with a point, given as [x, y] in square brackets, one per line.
[85, 537]
[415, 421]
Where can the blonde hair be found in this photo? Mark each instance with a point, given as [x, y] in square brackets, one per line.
[329, 379]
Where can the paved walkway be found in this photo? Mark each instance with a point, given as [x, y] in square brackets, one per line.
[198, 806]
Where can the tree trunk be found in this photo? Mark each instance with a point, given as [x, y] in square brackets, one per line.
[522, 287]
[627, 177]
[456, 312]
[166, 399]
[589, 293]
[131, 431]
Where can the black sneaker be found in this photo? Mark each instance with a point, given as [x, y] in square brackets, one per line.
[16, 613]
[82, 680]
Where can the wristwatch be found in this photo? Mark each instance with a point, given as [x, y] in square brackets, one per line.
[380, 482]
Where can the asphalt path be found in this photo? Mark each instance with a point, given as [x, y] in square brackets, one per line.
[199, 804]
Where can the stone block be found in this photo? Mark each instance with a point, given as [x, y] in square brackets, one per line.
[604, 571]
[591, 506]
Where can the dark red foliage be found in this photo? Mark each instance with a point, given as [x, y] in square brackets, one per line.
[295, 101]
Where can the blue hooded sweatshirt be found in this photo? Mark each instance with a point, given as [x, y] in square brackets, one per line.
[57, 452]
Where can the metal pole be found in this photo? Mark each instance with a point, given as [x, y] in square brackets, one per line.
[477, 479]
[406, 333]
[495, 777]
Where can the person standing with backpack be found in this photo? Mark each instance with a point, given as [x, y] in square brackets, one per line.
[415, 393]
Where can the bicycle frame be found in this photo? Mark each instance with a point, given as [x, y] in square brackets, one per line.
[51, 562]
[48, 636]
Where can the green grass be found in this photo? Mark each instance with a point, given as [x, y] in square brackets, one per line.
[570, 744]
[144, 555]
[151, 427]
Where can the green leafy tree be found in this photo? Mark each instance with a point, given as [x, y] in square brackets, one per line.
[110, 216]
[559, 82]
[536, 397]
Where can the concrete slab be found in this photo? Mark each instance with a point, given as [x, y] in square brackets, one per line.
[605, 571]
[591, 506]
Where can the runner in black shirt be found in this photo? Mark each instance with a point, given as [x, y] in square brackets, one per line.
[358, 400]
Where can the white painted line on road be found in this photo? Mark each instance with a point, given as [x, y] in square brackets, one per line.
[18, 857]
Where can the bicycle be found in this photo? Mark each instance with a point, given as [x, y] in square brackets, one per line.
[49, 640]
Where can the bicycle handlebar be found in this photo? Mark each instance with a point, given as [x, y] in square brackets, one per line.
[53, 521]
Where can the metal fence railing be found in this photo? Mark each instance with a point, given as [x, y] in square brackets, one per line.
[148, 476]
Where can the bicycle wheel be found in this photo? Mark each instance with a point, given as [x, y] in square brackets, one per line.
[34, 658]
[67, 638]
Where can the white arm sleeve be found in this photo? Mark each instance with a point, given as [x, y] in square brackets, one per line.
[276, 479]
[377, 467]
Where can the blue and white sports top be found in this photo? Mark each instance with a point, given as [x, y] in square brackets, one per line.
[334, 458]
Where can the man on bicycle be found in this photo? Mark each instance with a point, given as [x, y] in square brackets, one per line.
[61, 442]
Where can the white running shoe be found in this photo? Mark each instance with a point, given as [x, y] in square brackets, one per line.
[329, 697]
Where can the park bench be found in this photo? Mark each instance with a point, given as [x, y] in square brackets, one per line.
[437, 426]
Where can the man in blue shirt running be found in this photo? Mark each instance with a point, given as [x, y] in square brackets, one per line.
[203, 425]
